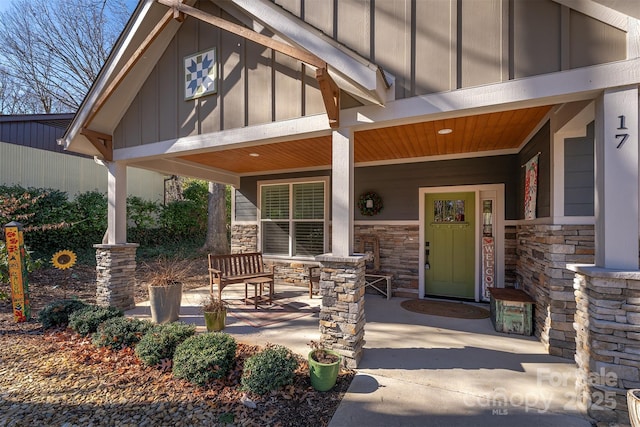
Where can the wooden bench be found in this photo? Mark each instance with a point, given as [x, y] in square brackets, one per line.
[235, 268]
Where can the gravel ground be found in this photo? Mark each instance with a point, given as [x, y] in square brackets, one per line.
[57, 378]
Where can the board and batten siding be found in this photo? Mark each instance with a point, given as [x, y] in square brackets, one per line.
[255, 85]
[30, 167]
[428, 45]
[439, 45]
[579, 174]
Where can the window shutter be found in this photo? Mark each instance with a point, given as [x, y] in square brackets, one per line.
[275, 202]
[275, 238]
[309, 238]
[308, 200]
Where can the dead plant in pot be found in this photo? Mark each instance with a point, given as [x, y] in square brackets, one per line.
[164, 278]
[215, 313]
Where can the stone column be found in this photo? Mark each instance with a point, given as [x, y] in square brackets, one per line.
[607, 323]
[342, 312]
[115, 268]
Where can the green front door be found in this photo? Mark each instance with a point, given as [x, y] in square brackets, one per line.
[450, 245]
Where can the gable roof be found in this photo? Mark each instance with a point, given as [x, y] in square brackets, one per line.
[150, 30]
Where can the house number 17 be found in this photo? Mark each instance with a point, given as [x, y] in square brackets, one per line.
[622, 137]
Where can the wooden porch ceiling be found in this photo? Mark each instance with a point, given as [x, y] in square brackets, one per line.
[480, 133]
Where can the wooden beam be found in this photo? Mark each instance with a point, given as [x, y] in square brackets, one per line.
[102, 142]
[328, 88]
[291, 51]
[161, 25]
[330, 96]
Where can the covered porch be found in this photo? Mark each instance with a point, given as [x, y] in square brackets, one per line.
[425, 370]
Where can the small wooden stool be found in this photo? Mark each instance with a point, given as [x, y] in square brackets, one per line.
[258, 284]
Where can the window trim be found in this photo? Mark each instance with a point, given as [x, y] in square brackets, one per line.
[325, 222]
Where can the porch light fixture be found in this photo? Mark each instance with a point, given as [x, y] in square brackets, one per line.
[254, 154]
[445, 131]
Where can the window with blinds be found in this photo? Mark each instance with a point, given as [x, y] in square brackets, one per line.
[292, 218]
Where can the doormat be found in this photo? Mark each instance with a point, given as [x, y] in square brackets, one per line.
[268, 314]
[459, 310]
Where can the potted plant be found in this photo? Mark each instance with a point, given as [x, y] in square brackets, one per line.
[324, 366]
[215, 313]
[164, 279]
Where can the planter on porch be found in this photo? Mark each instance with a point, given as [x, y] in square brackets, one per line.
[165, 303]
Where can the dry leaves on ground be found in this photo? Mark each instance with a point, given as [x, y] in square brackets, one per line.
[53, 378]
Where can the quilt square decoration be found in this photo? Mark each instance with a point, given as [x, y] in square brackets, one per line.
[200, 74]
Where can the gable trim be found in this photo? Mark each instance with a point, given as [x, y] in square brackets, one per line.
[600, 12]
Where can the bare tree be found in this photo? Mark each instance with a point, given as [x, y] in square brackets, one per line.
[52, 50]
[216, 241]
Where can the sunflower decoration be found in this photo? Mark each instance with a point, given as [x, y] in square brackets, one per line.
[63, 259]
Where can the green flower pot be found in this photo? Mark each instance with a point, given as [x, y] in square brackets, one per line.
[215, 320]
[323, 375]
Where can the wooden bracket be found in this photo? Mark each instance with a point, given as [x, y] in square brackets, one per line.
[330, 95]
[102, 142]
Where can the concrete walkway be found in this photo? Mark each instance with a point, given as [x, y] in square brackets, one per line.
[421, 370]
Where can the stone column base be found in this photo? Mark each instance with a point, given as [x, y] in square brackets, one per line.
[607, 323]
[115, 275]
[342, 312]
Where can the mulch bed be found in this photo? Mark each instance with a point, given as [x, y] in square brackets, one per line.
[58, 377]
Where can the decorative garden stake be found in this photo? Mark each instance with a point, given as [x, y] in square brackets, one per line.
[17, 272]
[63, 260]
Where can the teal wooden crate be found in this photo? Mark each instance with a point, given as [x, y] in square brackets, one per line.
[511, 311]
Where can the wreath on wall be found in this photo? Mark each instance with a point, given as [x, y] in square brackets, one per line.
[370, 204]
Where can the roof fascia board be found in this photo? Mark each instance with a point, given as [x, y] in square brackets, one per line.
[566, 86]
[361, 71]
[35, 117]
[310, 126]
[108, 70]
[598, 11]
[185, 168]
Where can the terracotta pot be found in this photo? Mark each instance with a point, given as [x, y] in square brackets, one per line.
[215, 320]
[323, 375]
[633, 402]
[165, 303]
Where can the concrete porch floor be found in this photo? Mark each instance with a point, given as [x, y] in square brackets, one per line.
[422, 370]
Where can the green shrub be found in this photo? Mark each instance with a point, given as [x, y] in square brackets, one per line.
[31, 263]
[270, 369]
[57, 313]
[160, 342]
[202, 358]
[86, 320]
[119, 332]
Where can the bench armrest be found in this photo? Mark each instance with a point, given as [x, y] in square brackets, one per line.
[215, 272]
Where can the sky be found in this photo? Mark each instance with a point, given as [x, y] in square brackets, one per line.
[4, 4]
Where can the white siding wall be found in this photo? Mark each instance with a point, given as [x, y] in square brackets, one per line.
[30, 167]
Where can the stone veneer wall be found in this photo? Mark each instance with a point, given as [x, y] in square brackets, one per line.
[607, 323]
[510, 256]
[116, 268]
[244, 238]
[342, 317]
[542, 254]
[399, 251]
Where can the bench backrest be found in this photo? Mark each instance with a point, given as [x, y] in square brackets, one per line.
[237, 264]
